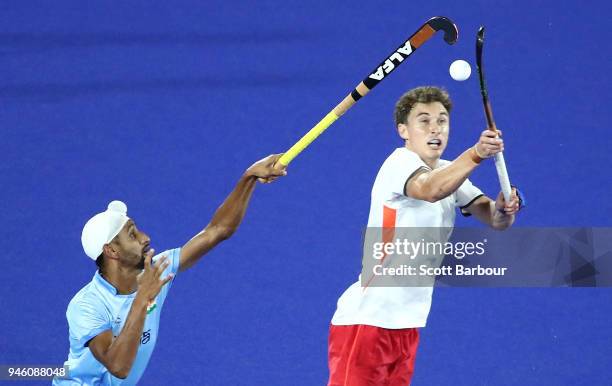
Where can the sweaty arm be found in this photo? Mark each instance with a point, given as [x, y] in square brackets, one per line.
[434, 185]
[229, 215]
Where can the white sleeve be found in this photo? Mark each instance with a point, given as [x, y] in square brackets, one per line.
[398, 168]
[466, 194]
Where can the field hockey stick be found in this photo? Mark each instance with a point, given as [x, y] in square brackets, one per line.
[396, 58]
[500, 163]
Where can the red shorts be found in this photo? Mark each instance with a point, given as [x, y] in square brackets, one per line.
[361, 355]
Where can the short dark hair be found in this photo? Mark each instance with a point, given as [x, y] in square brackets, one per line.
[425, 94]
[100, 262]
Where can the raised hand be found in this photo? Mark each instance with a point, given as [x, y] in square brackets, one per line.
[489, 143]
[508, 208]
[149, 280]
[268, 169]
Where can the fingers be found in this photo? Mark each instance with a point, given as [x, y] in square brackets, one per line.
[278, 173]
[161, 264]
[511, 207]
[266, 168]
[272, 161]
[148, 257]
[150, 279]
[492, 132]
[488, 133]
[489, 138]
[274, 158]
[271, 170]
[167, 279]
[489, 143]
[491, 149]
[267, 180]
[514, 200]
[160, 261]
[276, 170]
[277, 167]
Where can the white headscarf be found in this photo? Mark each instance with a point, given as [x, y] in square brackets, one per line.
[103, 227]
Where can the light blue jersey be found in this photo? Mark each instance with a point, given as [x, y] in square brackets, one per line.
[96, 308]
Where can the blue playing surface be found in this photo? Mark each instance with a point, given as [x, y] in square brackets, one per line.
[164, 106]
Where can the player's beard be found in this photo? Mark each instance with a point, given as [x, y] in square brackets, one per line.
[141, 263]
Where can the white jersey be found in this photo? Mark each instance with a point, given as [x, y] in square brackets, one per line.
[400, 307]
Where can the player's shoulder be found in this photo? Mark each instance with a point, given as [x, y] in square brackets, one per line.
[400, 161]
[403, 153]
[87, 299]
[399, 156]
[169, 253]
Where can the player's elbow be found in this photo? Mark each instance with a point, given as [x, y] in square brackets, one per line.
[434, 195]
[424, 193]
[120, 374]
[216, 233]
[119, 370]
[501, 226]
[430, 193]
[429, 197]
[224, 232]
[117, 356]
[433, 198]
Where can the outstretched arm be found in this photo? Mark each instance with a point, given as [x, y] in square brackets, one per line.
[229, 215]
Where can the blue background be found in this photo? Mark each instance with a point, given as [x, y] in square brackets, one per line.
[165, 105]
